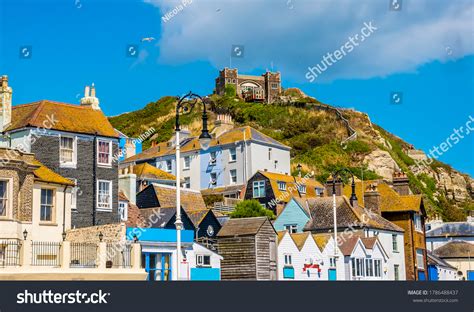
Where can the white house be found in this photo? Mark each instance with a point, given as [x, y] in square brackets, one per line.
[232, 158]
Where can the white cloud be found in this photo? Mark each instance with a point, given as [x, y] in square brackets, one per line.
[298, 37]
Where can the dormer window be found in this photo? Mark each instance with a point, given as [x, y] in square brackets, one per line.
[67, 151]
[281, 186]
[104, 153]
[302, 188]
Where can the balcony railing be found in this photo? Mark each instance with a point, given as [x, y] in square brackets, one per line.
[84, 255]
[119, 255]
[46, 254]
[9, 252]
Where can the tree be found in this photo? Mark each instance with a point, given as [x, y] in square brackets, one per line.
[230, 90]
[251, 208]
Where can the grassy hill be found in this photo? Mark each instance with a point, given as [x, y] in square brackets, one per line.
[314, 132]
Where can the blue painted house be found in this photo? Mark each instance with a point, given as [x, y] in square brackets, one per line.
[293, 218]
[159, 255]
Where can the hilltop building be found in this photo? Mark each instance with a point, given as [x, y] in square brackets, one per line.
[75, 141]
[265, 88]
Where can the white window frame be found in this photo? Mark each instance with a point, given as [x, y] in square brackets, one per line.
[9, 198]
[187, 182]
[186, 162]
[200, 260]
[420, 256]
[417, 222]
[109, 163]
[302, 188]
[232, 154]
[52, 205]
[212, 160]
[396, 272]
[99, 208]
[291, 228]
[170, 167]
[258, 184]
[395, 243]
[73, 162]
[377, 268]
[358, 267]
[74, 192]
[123, 210]
[369, 267]
[288, 260]
[233, 176]
[281, 185]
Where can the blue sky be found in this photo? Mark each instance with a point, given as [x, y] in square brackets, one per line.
[425, 51]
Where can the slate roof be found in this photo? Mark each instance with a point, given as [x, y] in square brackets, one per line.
[242, 226]
[192, 144]
[147, 171]
[455, 249]
[452, 229]
[163, 215]
[291, 185]
[390, 200]
[321, 215]
[67, 117]
[435, 260]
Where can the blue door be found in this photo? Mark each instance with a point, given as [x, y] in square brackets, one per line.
[332, 274]
[158, 266]
[421, 276]
[432, 273]
[470, 275]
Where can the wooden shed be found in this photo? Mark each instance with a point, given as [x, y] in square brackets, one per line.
[249, 248]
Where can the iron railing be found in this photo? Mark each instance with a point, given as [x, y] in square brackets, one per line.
[9, 252]
[119, 255]
[83, 255]
[46, 254]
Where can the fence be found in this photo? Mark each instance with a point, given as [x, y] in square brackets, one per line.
[46, 254]
[83, 255]
[119, 255]
[10, 252]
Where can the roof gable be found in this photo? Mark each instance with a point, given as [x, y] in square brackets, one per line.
[242, 226]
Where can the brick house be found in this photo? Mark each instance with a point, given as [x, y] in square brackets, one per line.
[265, 88]
[404, 209]
[75, 141]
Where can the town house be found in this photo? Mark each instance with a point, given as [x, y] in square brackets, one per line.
[75, 141]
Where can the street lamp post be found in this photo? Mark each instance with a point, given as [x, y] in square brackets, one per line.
[353, 199]
[204, 140]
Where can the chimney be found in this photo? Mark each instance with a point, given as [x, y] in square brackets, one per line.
[89, 98]
[223, 123]
[128, 185]
[400, 183]
[372, 198]
[329, 186]
[5, 103]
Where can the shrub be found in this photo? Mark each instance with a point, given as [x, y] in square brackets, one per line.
[251, 208]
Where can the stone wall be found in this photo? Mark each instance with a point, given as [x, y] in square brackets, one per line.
[112, 233]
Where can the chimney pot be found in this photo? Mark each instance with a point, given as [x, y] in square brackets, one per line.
[372, 198]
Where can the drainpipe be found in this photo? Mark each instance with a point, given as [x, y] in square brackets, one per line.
[64, 209]
[412, 226]
[94, 182]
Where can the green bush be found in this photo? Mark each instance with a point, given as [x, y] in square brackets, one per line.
[251, 208]
[230, 91]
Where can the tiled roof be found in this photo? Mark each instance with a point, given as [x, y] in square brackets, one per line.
[390, 200]
[300, 238]
[291, 185]
[369, 242]
[67, 117]
[242, 226]
[452, 229]
[192, 144]
[223, 190]
[44, 174]
[431, 259]
[190, 199]
[348, 245]
[322, 240]
[455, 249]
[281, 234]
[147, 171]
[196, 216]
[321, 215]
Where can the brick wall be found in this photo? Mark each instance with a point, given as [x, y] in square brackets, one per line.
[46, 150]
